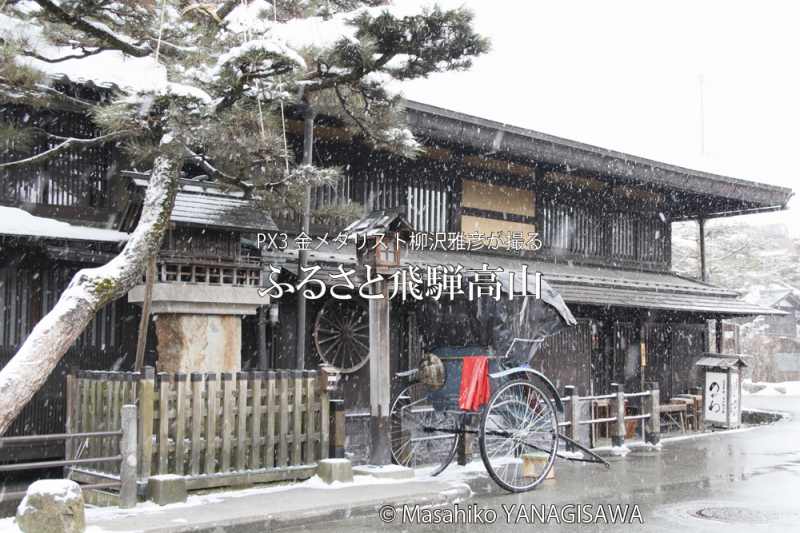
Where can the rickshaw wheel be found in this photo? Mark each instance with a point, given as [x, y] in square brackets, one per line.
[518, 436]
[422, 436]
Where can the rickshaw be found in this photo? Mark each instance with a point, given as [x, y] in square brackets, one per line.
[518, 427]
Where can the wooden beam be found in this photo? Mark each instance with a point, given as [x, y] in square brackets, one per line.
[144, 321]
[379, 377]
[701, 223]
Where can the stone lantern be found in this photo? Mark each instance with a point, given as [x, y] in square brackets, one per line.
[206, 280]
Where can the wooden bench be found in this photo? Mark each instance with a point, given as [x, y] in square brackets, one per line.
[673, 415]
[691, 411]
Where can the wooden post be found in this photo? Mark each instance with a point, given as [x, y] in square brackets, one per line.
[271, 406]
[283, 418]
[263, 361]
[571, 413]
[618, 431]
[311, 426]
[146, 400]
[242, 382]
[144, 321]
[464, 450]
[197, 421]
[653, 426]
[71, 419]
[379, 378]
[256, 413]
[297, 416]
[324, 421]
[701, 225]
[302, 257]
[180, 423]
[127, 449]
[211, 423]
[227, 420]
[337, 429]
[163, 422]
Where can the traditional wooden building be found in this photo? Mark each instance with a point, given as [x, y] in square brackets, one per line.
[602, 220]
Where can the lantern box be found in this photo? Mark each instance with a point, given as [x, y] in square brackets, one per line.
[380, 238]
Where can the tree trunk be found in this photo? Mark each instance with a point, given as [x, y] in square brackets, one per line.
[89, 290]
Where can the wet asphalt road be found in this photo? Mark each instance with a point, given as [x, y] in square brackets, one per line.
[729, 482]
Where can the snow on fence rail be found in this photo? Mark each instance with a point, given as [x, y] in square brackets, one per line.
[213, 429]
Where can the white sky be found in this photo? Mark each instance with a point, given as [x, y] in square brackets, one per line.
[626, 75]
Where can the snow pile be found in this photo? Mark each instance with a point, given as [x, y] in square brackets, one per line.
[60, 490]
[14, 221]
[765, 388]
[316, 482]
[617, 451]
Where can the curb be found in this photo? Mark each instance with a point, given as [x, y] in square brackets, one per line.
[293, 519]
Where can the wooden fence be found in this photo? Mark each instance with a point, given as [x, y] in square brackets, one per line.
[213, 429]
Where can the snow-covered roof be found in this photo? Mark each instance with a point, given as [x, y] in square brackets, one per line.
[15, 221]
[201, 204]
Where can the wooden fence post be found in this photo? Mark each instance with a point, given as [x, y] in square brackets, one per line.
[71, 418]
[337, 429]
[228, 386]
[618, 431]
[297, 416]
[211, 423]
[146, 400]
[311, 426]
[127, 448]
[324, 417]
[197, 422]
[242, 384]
[283, 418]
[180, 423]
[163, 422]
[256, 412]
[653, 427]
[272, 413]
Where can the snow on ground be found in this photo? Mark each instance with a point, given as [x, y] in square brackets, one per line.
[14, 221]
[94, 514]
[765, 388]
[706, 434]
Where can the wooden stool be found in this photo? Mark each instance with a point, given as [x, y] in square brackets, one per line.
[675, 414]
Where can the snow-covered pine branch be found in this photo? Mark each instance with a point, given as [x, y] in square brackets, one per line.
[66, 144]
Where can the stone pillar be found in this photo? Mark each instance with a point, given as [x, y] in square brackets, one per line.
[205, 343]
[199, 327]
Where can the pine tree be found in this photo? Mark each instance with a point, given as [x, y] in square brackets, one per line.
[207, 71]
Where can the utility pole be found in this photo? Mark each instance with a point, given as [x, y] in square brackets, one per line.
[302, 256]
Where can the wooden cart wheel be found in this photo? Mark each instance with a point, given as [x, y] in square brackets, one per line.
[341, 335]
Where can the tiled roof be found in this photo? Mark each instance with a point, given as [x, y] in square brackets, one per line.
[207, 206]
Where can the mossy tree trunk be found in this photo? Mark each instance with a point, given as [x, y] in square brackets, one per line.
[89, 290]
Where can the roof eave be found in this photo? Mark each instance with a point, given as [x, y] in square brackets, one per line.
[487, 135]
